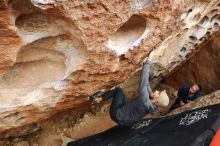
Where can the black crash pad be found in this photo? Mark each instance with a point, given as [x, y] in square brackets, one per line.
[195, 128]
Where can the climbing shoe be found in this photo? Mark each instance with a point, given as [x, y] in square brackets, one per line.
[96, 95]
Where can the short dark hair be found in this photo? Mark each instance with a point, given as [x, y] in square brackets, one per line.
[200, 87]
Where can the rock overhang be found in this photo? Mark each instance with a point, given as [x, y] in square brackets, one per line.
[64, 53]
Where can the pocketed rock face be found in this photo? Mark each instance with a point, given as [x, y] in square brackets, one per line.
[54, 53]
[202, 68]
[198, 24]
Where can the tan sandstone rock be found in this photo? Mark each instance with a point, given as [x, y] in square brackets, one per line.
[55, 53]
[22, 143]
[50, 140]
[202, 68]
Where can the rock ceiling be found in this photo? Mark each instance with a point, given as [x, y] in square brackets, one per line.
[55, 53]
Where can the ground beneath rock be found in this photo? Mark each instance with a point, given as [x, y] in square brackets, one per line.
[67, 127]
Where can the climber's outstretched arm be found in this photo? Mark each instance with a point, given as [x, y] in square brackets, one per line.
[144, 85]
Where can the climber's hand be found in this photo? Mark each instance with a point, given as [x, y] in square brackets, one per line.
[146, 61]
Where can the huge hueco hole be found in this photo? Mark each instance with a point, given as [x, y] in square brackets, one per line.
[129, 35]
[51, 52]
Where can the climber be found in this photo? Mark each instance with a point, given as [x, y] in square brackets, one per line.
[127, 113]
[186, 94]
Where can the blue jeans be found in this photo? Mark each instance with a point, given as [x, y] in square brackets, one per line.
[119, 100]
